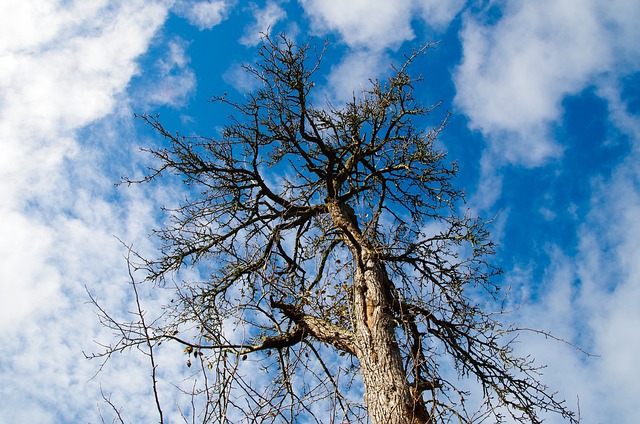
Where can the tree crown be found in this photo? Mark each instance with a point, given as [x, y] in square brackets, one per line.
[289, 209]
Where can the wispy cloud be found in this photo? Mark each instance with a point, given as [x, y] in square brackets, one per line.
[588, 295]
[591, 299]
[66, 66]
[264, 20]
[518, 66]
[350, 76]
[204, 14]
[439, 14]
[171, 80]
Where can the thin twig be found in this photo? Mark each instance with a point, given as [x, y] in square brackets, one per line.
[154, 379]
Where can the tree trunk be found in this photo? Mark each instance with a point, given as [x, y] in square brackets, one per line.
[388, 394]
[389, 397]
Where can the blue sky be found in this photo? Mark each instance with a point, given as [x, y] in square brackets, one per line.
[545, 98]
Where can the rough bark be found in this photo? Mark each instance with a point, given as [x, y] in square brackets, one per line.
[388, 394]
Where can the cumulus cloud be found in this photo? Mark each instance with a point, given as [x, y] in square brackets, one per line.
[370, 30]
[54, 85]
[264, 20]
[204, 14]
[363, 23]
[516, 72]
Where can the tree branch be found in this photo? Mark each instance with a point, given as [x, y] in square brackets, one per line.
[319, 328]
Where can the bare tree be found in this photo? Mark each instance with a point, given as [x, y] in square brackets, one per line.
[338, 256]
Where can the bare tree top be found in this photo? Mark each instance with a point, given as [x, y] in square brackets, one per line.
[324, 230]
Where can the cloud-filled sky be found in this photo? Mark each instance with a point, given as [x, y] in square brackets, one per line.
[545, 98]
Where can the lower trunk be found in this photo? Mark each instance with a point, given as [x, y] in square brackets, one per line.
[389, 397]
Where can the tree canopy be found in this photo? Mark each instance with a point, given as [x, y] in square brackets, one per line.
[340, 261]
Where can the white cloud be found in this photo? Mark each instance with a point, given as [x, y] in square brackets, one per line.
[172, 81]
[21, 26]
[363, 23]
[265, 19]
[351, 75]
[490, 184]
[240, 79]
[591, 298]
[620, 20]
[511, 83]
[67, 62]
[610, 90]
[439, 14]
[516, 72]
[204, 14]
